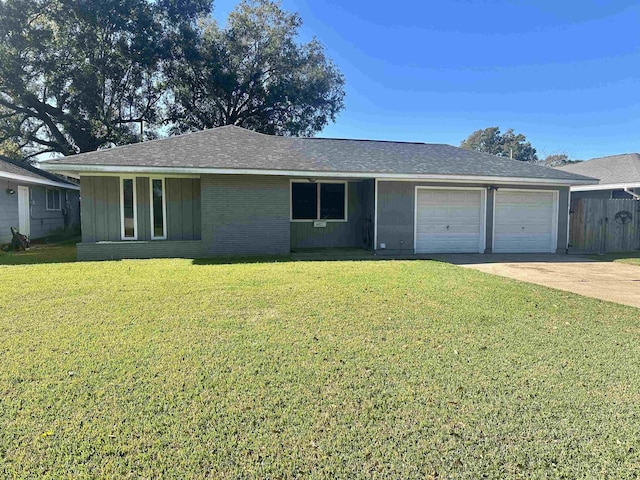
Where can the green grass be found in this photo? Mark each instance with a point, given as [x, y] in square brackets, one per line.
[52, 250]
[394, 369]
[632, 258]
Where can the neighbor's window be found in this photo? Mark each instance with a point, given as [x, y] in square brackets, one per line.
[158, 209]
[53, 199]
[318, 201]
[128, 187]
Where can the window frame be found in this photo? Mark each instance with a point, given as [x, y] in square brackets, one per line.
[318, 206]
[53, 209]
[135, 209]
[164, 207]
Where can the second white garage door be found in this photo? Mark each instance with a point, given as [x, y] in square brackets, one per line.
[525, 221]
[449, 220]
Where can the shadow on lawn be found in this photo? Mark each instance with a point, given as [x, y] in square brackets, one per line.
[333, 255]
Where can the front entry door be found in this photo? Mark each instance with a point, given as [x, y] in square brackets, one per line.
[24, 226]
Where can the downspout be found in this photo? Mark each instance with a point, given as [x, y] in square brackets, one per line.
[633, 194]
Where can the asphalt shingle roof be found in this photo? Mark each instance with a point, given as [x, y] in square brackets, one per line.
[614, 169]
[26, 170]
[233, 147]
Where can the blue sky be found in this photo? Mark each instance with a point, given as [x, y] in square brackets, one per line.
[564, 73]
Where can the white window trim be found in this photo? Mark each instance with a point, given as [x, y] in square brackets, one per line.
[164, 207]
[135, 209]
[50, 209]
[318, 182]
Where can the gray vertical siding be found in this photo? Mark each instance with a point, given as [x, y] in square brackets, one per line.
[183, 209]
[100, 214]
[245, 215]
[101, 209]
[396, 210]
[339, 234]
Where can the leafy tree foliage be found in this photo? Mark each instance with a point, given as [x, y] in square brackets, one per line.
[508, 144]
[75, 76]
[255, 74]
[9, 149]
[488, 140]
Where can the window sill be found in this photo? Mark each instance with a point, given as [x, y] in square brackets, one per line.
[131, 240]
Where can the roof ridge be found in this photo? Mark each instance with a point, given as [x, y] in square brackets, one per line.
[615, 155]
[163, 139]
[404, 142]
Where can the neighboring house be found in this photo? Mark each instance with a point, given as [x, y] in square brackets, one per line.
[35, 202]
[619, 177]
[229, 191]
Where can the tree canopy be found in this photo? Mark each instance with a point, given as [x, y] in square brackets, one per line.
[508, 144]
[253, 73]
[79, 76]
[75, 76]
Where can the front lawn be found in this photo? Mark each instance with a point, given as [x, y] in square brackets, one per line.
[367, 369]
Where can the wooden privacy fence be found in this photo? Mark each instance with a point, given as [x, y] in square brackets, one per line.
[601, 226]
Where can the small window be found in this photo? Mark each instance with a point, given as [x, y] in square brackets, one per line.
[304, 201]
[53, 199]
[128, 210]
[332, 201]
[318, 201]
[158, 209]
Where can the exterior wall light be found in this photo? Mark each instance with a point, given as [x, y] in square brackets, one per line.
[10, 191]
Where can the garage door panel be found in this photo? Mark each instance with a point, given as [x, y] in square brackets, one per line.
[448, 220]
[524, 222]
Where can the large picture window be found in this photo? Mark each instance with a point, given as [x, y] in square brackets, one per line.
[158, 209]
[319, 201]
[53, 199]
[128, 212]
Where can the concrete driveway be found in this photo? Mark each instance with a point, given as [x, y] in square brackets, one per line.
[615, 282]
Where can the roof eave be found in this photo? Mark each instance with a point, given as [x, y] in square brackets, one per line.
[78, 170]
[605, 186]
[37, 181]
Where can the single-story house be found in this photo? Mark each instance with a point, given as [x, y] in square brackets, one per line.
[229, 191]
[619, 177]
[35, 202]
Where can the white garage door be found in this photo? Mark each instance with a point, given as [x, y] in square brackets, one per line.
[525, 221]
[449, 220]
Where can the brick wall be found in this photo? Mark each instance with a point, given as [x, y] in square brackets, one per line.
[245, 215]
[133, 249]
